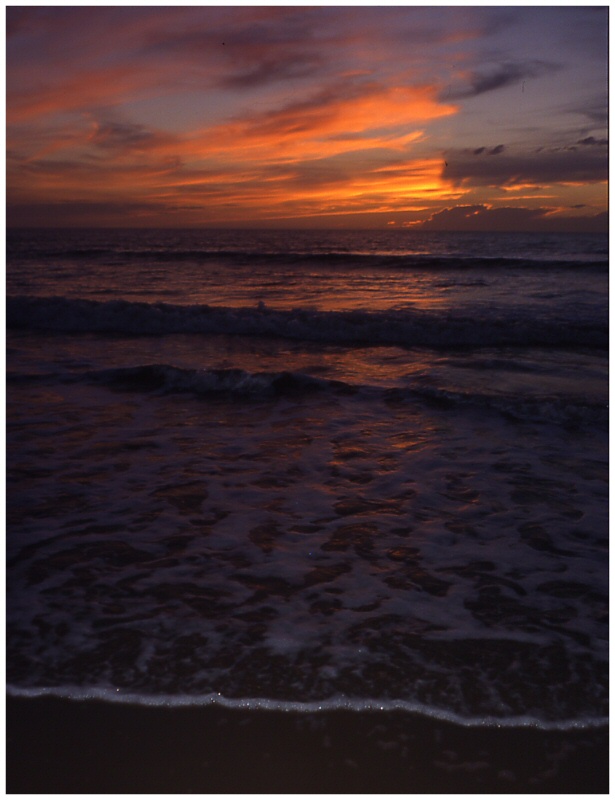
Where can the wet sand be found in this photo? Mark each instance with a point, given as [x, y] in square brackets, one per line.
[62, 746]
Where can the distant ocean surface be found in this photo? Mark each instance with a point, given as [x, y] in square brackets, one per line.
[310, 470]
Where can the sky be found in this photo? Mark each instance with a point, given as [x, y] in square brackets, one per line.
[435, 118]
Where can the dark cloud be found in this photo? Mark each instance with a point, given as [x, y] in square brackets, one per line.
[126, 137]
[121, 135]
[78, 213]
[477, 217]
[591, 140]
[493, 152]
[595, 108]
[544, 166]
[483, 218]
[501, 76]
[286, 67]
[248, 48]
[93, 171]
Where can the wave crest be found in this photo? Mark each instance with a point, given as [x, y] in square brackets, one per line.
[167, 378]
[567, 411]
[407, 328]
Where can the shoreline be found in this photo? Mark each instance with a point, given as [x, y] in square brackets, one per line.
[318, 707]
[56, 745]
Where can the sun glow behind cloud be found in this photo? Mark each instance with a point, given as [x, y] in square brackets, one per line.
[201, 116]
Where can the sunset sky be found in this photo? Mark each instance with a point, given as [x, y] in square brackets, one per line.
[440, 117]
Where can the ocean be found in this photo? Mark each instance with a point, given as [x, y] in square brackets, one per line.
[309, 471]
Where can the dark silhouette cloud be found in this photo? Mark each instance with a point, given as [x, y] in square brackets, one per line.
[480, 217]
[483, 218]
[494, 151]
[554, 165]
[501, 76]
[126, 137]
[595, 108]
[288, 67]
[591, 140]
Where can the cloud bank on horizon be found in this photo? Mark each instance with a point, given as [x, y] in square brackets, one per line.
[478, 118]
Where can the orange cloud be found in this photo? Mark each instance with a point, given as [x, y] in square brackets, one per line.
[332, 122]
[328, 123]
[257, 191]
[308, 157]
[93, 88]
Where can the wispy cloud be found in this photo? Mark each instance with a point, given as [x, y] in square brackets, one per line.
[500, 76]
[322, 110]
[337, 119]
[105, 87]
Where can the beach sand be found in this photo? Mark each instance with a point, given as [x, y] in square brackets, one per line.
[62, 746]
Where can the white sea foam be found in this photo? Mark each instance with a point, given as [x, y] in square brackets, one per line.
[329, 704]
[305, 549]
[237, 492]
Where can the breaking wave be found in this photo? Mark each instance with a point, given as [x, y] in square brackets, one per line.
[407, 328]
[572, 412]
[166, 378]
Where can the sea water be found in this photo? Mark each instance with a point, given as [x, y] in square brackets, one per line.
[310, 470]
